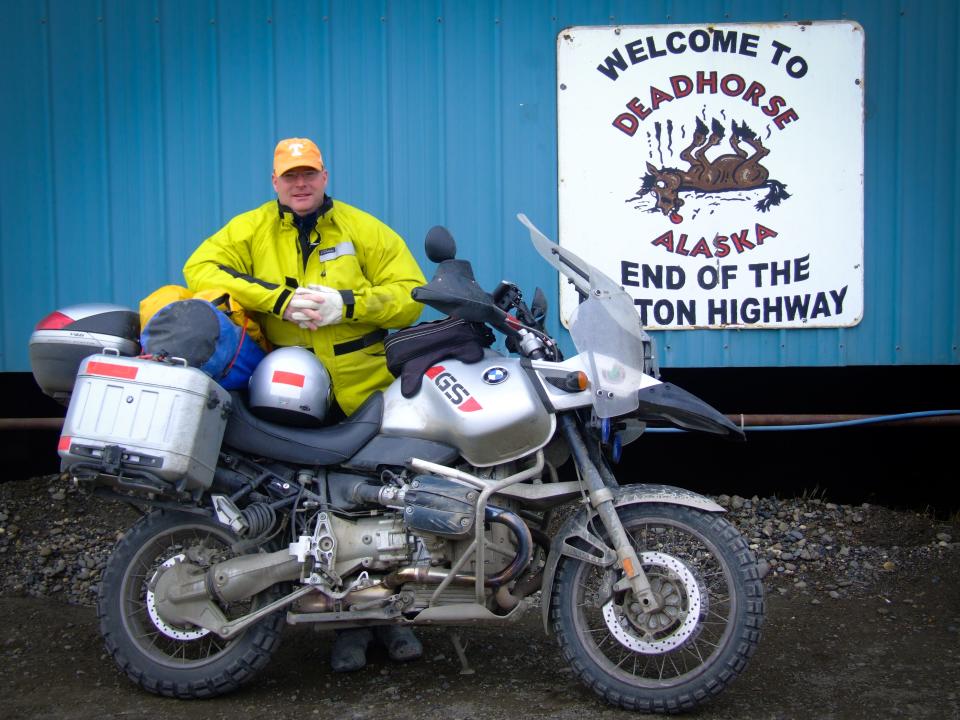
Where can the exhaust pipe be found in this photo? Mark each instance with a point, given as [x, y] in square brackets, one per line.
[435, 576]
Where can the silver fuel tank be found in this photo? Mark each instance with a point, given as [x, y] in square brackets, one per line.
[490, 410]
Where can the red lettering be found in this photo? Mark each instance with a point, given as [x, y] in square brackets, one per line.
[763, 233]
[701, 248]
[785, 117]
[666, 240]
[681, 249]
[720, 246]
[657, 97]
[773, 107]
[704, 81]
[740, 242]
[738, 83]
[682, 85]
[639, 110]
[627, 123]
[754, 93]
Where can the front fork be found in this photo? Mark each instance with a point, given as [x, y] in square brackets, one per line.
[601, 497]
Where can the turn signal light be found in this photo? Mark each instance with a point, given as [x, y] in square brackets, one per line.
[571, 382]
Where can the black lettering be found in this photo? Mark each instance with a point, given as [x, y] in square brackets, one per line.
[672, 45]
[628, 273]
[729, 273]
[725, 41]
[838, 298]
[676, 277]
[797, 67]
[652, 47]
[801, 268]
[748, 44]
[781, 273]
[771, 307]
[457, 393]
[797, 306]
[758, 269]
[609, 66]
[780, 50]
[687, 312]
[708, 277]
[716, 312]
[643, 304]
[653, 277]
[820, 306]
[635, 52]
[750, 310]
[663, 312]
[699, 41]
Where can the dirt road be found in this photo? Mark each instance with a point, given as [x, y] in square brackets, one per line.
[894, 652]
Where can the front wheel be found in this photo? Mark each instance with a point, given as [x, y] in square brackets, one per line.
[167, 659]
[691, 648]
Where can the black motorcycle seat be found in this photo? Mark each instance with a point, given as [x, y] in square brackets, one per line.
[303, 446]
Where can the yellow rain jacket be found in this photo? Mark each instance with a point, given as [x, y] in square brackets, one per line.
[259, 257]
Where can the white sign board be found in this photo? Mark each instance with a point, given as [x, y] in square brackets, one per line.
[716, 172]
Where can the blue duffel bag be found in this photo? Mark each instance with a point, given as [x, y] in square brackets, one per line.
[206, 338]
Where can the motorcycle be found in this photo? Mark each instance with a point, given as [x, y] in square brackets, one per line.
[442, 508]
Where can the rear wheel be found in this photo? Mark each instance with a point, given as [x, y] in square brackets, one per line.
[691, 648]
[167, 659]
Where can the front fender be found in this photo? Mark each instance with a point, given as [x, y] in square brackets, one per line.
[576, 538]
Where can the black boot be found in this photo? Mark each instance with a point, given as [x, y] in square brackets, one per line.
[349, 651]
[400, 642]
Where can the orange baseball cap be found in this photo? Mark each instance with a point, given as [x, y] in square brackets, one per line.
[296, 152]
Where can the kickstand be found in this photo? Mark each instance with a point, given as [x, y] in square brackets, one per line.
[465, 668]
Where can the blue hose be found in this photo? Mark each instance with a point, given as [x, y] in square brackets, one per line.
[830, 425]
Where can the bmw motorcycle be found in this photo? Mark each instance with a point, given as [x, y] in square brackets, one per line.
[440, 504]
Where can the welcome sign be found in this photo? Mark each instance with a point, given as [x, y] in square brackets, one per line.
[716, 172]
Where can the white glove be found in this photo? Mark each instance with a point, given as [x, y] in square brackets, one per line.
[315, 306]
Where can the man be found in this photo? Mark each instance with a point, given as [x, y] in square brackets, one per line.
[320, 274]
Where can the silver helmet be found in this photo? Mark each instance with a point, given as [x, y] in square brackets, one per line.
[291, 386]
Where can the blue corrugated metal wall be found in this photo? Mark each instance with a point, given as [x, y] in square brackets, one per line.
[133, 129]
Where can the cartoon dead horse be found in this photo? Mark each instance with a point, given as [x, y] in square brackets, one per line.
[739, 171]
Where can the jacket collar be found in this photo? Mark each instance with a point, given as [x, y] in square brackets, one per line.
[288, 216]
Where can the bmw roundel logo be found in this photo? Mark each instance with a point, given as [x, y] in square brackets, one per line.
[495, 375]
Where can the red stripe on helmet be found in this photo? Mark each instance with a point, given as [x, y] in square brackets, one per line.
[288, 378]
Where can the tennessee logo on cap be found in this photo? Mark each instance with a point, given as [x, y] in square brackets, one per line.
[296, 152]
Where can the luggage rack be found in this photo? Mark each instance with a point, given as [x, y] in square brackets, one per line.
[139, 482]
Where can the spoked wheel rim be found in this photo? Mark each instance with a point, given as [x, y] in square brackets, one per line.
[677, 643]
[166, 643]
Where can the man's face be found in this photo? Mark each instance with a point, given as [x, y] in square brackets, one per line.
[301, 189]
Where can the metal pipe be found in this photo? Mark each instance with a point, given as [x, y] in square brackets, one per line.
[935, 418]
[931, 418]
[31, 423]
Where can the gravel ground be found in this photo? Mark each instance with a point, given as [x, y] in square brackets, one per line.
[55, 540]
[863, 621]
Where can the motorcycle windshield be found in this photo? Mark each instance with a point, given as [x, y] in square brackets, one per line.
[605, 329]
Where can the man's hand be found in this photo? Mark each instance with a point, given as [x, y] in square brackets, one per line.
[314, 306]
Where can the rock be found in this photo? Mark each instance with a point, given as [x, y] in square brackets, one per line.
[888, 566]
[944, 537]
